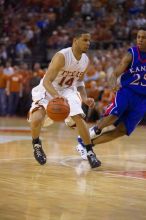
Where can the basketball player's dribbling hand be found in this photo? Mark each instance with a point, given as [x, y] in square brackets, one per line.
[90, 102]
[60, 97]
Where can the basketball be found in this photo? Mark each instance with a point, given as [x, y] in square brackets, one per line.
[58, 109]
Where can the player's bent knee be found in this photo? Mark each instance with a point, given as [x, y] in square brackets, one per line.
[37, 118]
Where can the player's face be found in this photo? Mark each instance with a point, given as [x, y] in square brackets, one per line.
[84, 42]
[141, 40]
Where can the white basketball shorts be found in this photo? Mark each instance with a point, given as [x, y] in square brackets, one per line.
[41, 98]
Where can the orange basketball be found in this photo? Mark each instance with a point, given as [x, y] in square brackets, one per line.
[58, 109]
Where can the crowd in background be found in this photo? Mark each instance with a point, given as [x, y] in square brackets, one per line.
[32, 30]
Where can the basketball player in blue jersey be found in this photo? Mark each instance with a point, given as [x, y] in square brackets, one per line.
[129, 106]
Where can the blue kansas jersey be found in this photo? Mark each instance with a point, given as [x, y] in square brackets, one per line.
[135, 76]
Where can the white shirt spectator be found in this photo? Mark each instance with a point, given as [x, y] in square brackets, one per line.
[8, 71]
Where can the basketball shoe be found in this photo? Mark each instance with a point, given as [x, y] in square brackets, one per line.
[94, 132]
[39, 153]
[92, 159]
[81, 148]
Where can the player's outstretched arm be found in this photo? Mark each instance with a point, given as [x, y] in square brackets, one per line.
[120, 69]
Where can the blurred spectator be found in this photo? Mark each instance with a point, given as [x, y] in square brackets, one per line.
[22, 50]
[3, 54]
[38, 71]
[86, 9]
[106, 98]
[14, 91]
[29, 33]
[34, 81]
[25, 99]
[8, 69]
[3, 100]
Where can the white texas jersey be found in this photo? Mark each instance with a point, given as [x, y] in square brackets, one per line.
[72, 71]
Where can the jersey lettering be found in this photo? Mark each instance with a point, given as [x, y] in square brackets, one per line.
[66, 82]
[138, 79]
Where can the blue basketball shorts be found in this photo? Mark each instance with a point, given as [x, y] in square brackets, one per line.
[129, 107]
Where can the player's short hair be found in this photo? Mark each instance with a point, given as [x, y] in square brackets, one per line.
[142, 28]
[79, 32]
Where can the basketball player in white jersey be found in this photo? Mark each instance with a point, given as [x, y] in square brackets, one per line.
[64, 79]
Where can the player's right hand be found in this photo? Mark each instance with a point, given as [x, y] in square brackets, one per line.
[60, 97]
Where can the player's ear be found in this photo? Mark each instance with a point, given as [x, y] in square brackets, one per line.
[74, 40]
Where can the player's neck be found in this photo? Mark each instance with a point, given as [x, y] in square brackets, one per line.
[77, 53]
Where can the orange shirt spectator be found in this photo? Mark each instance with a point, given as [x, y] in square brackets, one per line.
[39, 73]
[26, 77]
[107, 97]
[3, 80]
[93, 91]
[14, 83]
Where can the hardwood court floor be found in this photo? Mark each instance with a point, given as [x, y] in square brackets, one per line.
[66, 188]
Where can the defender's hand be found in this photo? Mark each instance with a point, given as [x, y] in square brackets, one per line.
[90, 102]
[113, 83]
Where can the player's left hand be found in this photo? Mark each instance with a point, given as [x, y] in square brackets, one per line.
[113, 83]
[90, 102]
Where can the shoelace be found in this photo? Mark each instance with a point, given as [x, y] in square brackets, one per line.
[82, 151]
[91, 154]
[38, 151]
